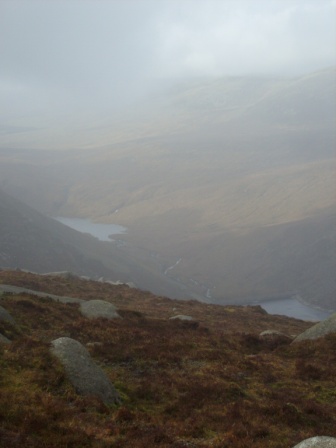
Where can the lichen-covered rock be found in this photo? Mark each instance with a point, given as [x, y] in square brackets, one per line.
[181, 317]
[5, 316]
[4, 340]
[99, 308]
[86, 377]
[319, 330]
[317, 442]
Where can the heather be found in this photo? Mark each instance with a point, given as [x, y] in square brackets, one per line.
[209, 382]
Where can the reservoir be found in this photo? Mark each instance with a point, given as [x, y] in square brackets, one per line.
[292, 307]
[101, 231]
[286, 306]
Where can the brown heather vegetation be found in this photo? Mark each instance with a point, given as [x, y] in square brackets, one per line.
[211, 382]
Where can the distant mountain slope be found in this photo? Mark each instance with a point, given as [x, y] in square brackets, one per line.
[225, 185]
[286, 259]
[32, 241]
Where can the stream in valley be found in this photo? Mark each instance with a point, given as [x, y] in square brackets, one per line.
[288, 306]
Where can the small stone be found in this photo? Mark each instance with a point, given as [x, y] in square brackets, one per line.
[4, 340]
[99, 308]
[181, 317]
[5, 316]
[276, 336]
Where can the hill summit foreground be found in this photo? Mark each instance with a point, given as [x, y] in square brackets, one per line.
[185, 373]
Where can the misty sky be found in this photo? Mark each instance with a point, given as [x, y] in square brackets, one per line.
[83, 55]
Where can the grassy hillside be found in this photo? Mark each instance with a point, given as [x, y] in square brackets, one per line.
[208, 382]
[222, 174]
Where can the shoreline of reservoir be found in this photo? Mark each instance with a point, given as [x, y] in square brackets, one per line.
[289, 303]
[101, 231]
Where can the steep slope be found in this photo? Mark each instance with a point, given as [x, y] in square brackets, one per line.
[30, 240]
[295, 258]
[220, 174]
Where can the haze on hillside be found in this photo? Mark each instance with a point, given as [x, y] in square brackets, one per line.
[67, 64]
[207, 128]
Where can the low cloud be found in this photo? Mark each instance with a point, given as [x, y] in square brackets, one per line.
[86, 55]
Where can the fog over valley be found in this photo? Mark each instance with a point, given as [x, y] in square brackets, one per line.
[205, 128]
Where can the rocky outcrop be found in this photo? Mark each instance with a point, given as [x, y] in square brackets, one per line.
[119, 282]
[86, 377]
[181, 317]
[19, 290]
[99, 308]
[319, 330]
[5, 316]
[317, 442]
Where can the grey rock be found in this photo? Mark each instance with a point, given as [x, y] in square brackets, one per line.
[319, 330]
[317, 442]
[274, 335]
[19, 290]
[5, 316]
[86, 377]
[99, 308]
[4, 340]
[181, 317]
[63, 274]
[119, 282]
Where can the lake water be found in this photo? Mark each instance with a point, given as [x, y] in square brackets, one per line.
[100, 231]
[288, 306]
[292, 307]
